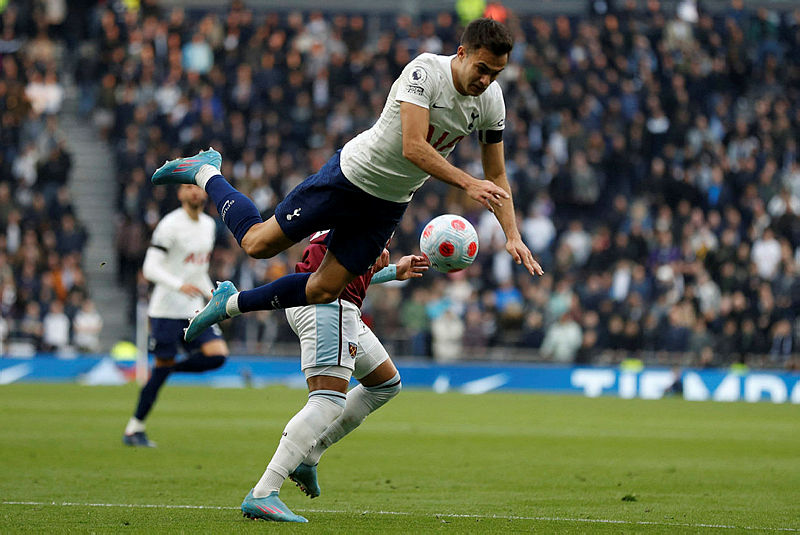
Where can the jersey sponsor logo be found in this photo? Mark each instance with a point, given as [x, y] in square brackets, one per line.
[225, 206]
[294, 214]
[437, 106]
[418, 75]
[352, 348]
[197, 258]
[415, 90]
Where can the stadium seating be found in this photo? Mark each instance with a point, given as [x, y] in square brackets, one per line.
[44, 304]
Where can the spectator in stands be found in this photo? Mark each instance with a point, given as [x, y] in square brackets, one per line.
[447, 332]
[415, 323]
[87, 325]
[39, 241]
[563, 339]
[766, 254]
[55, 328]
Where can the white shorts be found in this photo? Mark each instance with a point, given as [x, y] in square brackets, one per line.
[334, 341]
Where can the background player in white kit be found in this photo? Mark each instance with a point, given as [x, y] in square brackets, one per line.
[177, 263]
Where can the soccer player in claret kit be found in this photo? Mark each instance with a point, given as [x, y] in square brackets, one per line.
[177, 263]
[334, 345]
[362, 192]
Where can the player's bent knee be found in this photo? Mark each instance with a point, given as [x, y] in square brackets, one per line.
[265, 239]
[256, 247]
[388, 389]
[216, 347]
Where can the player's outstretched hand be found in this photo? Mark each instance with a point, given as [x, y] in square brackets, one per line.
[487, 193]
[522, 255]
[192, 290]
[411, 267]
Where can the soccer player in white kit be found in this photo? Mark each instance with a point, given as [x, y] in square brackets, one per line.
[177, 263]
[362, 192]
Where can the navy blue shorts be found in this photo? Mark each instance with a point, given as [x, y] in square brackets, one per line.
[360, 224]
[166, 334]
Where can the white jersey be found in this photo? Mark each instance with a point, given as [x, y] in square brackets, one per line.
[186, 245]
[374, 159]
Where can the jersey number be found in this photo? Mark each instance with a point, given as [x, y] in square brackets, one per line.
[440, 144]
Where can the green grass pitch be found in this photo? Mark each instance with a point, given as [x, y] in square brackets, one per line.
[425, 463]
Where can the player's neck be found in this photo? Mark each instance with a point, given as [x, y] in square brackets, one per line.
[194, 213]
[453, 72]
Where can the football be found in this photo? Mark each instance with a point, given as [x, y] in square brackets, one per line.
[449, 242]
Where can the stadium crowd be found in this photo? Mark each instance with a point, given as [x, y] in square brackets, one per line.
[653, 157]
[44, 304]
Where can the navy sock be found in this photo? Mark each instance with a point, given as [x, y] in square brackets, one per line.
[236, 210]
[286, 292]
[150, 390]
[199, 363]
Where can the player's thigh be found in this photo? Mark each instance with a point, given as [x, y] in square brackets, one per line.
[385, 371]
[328, 378]
[328, 336]
[319, 202]
[166, 336]
[329, 280]
[373, 365]
[209, 343]
[358, 242]
[213, 348]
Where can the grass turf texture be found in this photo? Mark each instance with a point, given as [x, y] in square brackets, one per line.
[545, 463]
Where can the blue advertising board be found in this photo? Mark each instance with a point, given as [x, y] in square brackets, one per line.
[646, 383]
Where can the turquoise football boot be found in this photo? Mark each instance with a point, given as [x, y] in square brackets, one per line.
[305, 477]
[138, 439]
[269, 508]
[182, 170]
[213, 313]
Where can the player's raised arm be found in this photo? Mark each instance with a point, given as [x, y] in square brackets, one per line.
[416, 149]
[494, 168]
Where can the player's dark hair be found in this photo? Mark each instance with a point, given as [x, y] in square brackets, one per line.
[489, 34]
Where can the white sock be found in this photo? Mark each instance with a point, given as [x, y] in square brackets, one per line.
[361, 401]
[204, 174]
[299, 436]
[232, 306]
[134, 426]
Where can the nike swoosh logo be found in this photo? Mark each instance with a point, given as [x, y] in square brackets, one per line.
[435, 106]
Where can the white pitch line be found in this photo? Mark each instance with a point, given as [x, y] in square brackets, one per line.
[403, 513]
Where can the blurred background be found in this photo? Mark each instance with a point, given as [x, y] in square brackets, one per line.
[651, 147]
